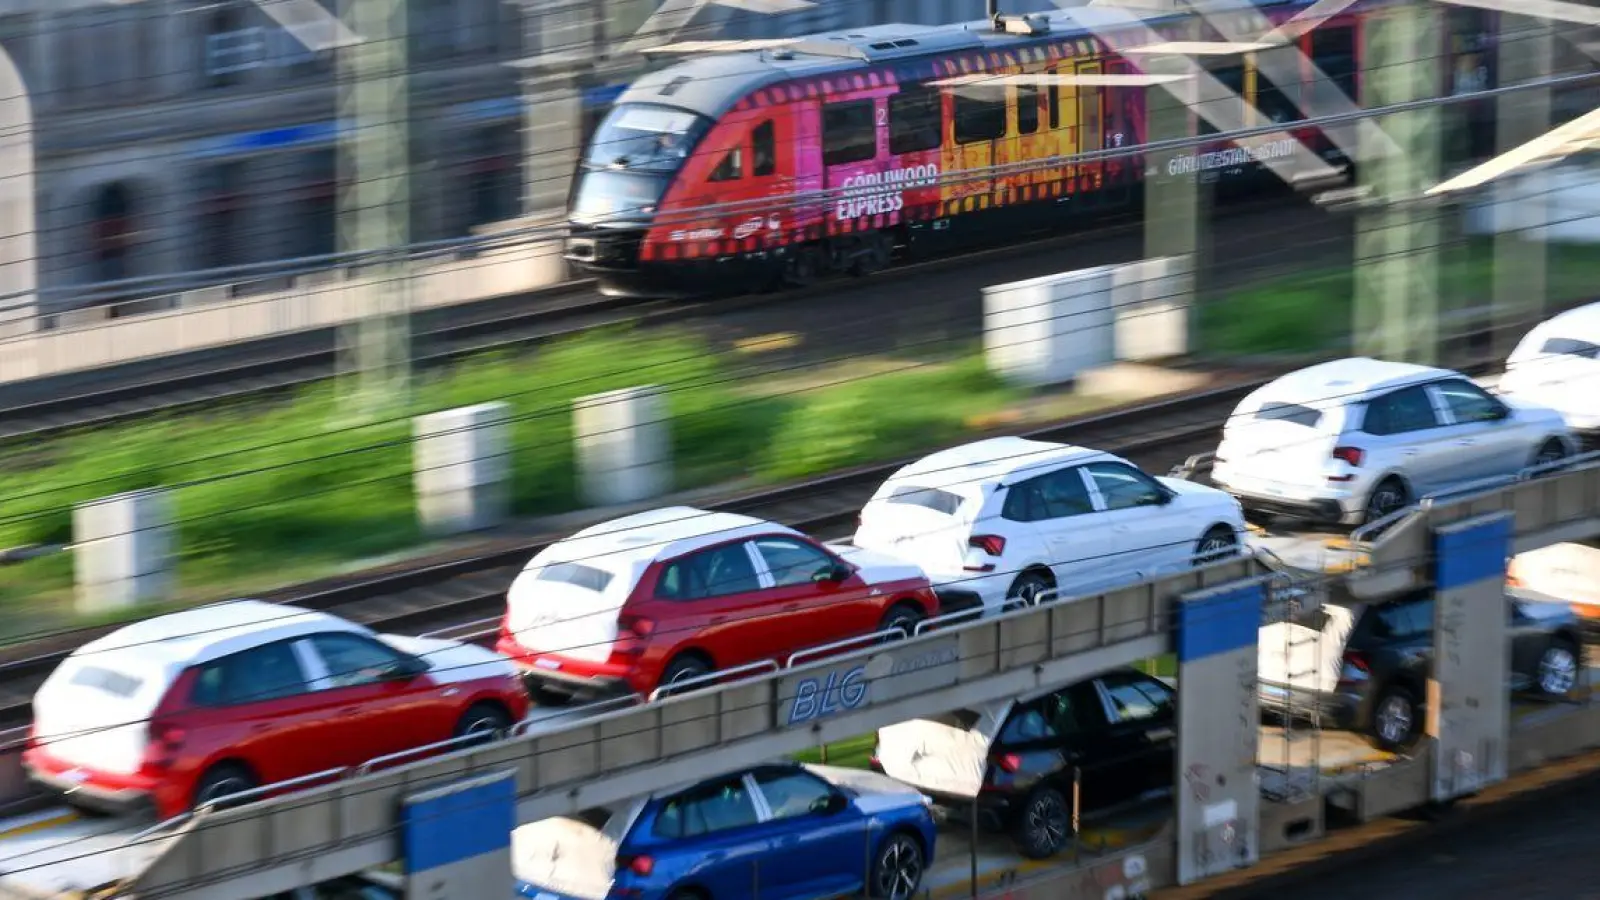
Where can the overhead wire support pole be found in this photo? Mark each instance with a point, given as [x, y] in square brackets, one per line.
[375, 201]
[1397, 239]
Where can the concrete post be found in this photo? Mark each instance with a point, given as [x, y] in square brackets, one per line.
[1397, 255]
[462, 468]
[1219, 729]
[122, 550]
[1469, 709]
[1521, 259]
[1049, 330]
[624, 446]
[457, 838]
[19, 253]
[552, 139]
[1176, 200]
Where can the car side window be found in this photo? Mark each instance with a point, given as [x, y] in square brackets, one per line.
[1468, 402]
[1157, 692]
[1405, 410]
[716, 572]
[1027, 723]
[721, 805]
[268, 672]
[1063, 714]
[792, 562]
[1125, 487]
[1130, 703]
[352, 659]
[1053, 495]
[1404, 620]
[791, 794]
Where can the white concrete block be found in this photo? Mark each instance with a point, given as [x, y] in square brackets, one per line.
[1047, 330]
[1151, 299]
[461, 468]
[624, 446]
[122, 550]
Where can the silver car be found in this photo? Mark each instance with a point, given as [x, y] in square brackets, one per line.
[1354, 440]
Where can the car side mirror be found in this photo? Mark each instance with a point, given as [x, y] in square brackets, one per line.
[831, 574]
[406, 668]
[831, 805]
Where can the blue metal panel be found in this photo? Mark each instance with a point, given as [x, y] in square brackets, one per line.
[1475, 553]
[459, 823]
[1220, 623]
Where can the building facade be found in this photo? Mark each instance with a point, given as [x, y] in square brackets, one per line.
[182, 135]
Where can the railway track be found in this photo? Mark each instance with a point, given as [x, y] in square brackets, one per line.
[461, 596]
[442, 336]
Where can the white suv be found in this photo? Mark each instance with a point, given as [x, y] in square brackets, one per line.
[1354, 440]
[1009, 518]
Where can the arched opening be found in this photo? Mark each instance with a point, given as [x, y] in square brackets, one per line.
[114, 216]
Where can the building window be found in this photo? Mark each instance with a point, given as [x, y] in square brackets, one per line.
[230, 49]
[318, 203]
[494, 175]
[223, 199]
[114, 233]
[434, 32]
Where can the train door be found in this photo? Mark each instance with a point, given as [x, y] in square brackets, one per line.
[1122, 116]
[1030, 143]
[804, 156]
[1063, 121]
[977, 124]
[1091, 131]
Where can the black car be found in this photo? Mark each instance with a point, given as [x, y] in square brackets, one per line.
[1017, 764]
[1365, 667]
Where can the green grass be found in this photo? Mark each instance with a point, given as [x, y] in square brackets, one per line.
[1312, 312]
[271, 496]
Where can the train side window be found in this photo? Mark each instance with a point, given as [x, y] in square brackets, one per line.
[764, 150]
[1333, 50]
[1027, 109]
[1278, 103]
[1055, 105]
[731, 168]
[849, 133]
[979, 118]
[916, 119]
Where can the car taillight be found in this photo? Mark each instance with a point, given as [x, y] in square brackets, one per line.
[1351, 455]
[1010, 763]
[992, 544]
[1355, 667]
[633, 633]
[166, 740]
[638, 865]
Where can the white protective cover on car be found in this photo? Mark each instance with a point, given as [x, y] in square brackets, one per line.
[453, 662]
[939, 757]
[1292, 655]
[874, 793]
[548, 616]
[877, 567]
[1279, 450]
[1569, 572]
[94, 709]
[565, 855]
[935, 538]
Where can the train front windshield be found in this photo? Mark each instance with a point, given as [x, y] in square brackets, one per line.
[631, 160]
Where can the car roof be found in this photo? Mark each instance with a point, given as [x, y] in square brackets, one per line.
[993, 460]
[655, 534]
[198, 635]
[1346, 380]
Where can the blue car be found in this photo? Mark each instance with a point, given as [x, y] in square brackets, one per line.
[773, 832]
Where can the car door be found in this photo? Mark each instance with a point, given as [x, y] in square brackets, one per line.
[1059, 511]
[722, 605]
[378, 713]
[1407, 435]
[1147, 535]
[819, 850]
[1484, 441]
[1144, 707]
[716, 828]
[257, 705]
[812, 608]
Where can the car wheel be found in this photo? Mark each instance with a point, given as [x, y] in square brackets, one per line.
[897, 872]
[1218, 543]
[222, 781]
[1388, 498]
[684, 668]
[1558, 669]
[1028, 589]
[1394, 718]
[1044, 824]
[902, 617]
[1552, 451]
[483, 719]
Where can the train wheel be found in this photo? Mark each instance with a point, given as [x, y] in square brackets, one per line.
[872, 254]
[802, 269]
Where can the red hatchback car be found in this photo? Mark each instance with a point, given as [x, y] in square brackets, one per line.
[180, 709]
[663, 596]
